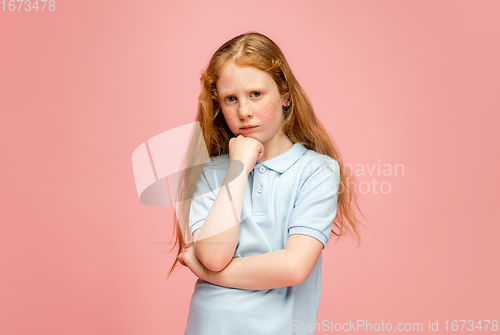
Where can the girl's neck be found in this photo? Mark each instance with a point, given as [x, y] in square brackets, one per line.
[276, 147]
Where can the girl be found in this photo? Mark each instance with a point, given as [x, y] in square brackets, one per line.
[258, 236]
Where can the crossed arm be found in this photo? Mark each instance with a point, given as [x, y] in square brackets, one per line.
[286, 267]
[210, 257]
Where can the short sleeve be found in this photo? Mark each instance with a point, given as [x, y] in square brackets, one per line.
[316, 202]
[201, 202]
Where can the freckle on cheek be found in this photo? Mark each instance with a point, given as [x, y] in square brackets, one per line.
[267, 109]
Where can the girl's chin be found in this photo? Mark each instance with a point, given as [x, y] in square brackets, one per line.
[249, 135]
[254, 137]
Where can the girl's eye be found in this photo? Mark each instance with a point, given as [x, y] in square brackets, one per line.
[228, 99]
[257, 94]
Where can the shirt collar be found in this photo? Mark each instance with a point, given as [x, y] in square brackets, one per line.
[282, 162]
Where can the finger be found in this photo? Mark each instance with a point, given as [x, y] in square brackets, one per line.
[261, 153]
[179, 259]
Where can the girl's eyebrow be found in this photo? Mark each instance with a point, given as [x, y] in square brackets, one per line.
[222, 93]
[253, 89]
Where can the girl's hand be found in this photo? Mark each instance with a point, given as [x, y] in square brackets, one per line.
[246, 150]
[188, 258]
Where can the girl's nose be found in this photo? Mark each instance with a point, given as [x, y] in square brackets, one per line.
[245, 110]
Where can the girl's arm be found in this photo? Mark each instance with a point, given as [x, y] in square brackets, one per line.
[216, 240]
[287, 267]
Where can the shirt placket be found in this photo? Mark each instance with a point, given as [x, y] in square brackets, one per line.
[260, 195]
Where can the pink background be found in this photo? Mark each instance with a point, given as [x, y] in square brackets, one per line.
[395, 82]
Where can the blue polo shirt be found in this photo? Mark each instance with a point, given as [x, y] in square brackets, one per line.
[293, 193]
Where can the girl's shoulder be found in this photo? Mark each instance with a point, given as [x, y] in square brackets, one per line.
[313, 160]
[213, 173]
[215, 169]
[218, 161]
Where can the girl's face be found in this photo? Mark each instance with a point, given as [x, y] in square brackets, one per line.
[249, 96]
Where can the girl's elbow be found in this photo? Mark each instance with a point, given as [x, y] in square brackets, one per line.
[297, 277]
[216, 265]
[212, 262]
[294, 275]
[298, 273]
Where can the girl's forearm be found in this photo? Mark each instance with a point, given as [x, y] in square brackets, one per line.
[215, 242]
[260, 272]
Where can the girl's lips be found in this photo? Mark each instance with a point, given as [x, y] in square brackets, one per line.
[248, 128]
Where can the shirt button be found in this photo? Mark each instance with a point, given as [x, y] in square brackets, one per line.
[260, 189]
[262, 169]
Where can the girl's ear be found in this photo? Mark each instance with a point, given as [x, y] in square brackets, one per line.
[286, 100]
